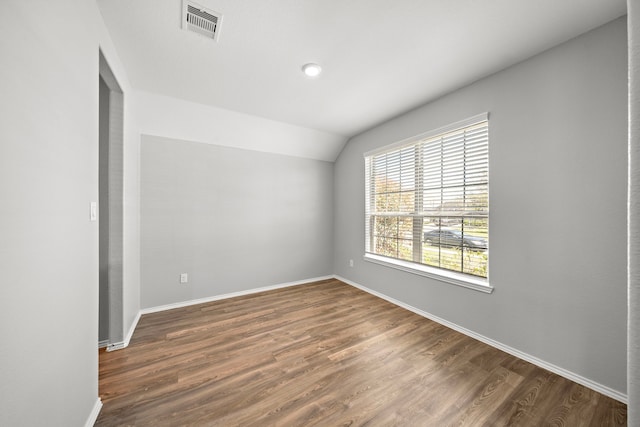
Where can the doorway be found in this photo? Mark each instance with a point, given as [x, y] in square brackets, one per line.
[110, 208]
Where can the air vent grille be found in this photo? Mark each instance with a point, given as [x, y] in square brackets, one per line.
[200, 20]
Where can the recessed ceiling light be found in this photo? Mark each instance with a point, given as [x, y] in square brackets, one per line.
[311, 69]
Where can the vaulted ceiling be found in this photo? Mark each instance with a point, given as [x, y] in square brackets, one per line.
[380, 58]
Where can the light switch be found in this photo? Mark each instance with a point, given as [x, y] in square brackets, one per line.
[94, 211]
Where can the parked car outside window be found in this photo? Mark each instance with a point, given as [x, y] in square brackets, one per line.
[449, 237]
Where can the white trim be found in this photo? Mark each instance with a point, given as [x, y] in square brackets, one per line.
[122, 344]
[425, 135]
[103, 343]
[93, 416]
[132, 329]
[477, 284]
[117, 346]
[231, 295]
[125, 343]
[614, 394]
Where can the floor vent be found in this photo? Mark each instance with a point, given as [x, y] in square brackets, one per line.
[200, 20]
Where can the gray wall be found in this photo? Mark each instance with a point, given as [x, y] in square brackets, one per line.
[48, 178]
[233, 219]
[633, 360]
[558, 154]
[111, 185]
[49, 248]
[103, 212]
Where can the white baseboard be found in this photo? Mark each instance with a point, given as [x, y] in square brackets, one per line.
[230, 295]
[132, 329]
[103, 343]
[607, 391]
[125, 343]
[93, 416]
[116, 346]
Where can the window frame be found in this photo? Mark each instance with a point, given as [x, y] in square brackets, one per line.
[416, 266]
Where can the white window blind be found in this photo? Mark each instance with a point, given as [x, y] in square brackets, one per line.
[427, 199]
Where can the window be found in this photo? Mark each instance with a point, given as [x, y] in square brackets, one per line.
[427, 203]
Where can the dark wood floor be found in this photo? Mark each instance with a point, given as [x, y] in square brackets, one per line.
[328, 354]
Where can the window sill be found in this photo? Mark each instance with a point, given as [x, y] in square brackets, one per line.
[477, 284]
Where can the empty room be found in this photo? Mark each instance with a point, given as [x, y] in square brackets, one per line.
[320, 213]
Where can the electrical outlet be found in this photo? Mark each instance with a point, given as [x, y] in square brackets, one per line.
[184, 278]
[350, 263]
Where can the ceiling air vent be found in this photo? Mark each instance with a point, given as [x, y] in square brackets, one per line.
[200, 20]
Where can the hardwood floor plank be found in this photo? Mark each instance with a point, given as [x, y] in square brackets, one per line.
[327, 354]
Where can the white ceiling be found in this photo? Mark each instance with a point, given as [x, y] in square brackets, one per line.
[380, 58]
